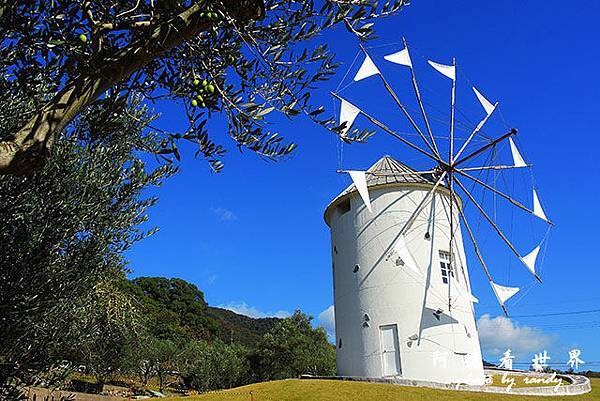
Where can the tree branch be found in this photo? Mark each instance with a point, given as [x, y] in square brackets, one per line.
[31, 145]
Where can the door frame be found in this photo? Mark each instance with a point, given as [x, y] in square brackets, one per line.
[394, 327]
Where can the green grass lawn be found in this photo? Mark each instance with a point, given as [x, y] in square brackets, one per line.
[332, 390]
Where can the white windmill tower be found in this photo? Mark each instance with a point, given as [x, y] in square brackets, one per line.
[402, 294]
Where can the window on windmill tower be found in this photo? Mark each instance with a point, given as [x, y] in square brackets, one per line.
[446, 267]
[344, 206]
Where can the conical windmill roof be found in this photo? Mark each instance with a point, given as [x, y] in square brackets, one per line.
[387, 171]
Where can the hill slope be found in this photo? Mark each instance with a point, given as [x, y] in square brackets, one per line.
[331, 390]
[233, 327]
[176, 310]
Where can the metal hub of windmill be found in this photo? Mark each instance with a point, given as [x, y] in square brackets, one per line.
[450, 168]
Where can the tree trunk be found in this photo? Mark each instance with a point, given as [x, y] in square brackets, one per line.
[31, 145]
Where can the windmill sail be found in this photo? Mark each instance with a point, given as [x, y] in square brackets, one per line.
[481, 123]
[487, 105]
[472, 298]
[402, 251]
[517, 158]
[503, 293]
[537, 207]
[360, 181]
[447, 70]
[468, 295]
[529, 259]
[367, 69]
[402, 57]
[348, 113]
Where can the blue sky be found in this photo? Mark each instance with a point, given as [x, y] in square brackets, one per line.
[253, 237]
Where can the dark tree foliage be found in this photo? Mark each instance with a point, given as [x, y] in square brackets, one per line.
[175, 309]
[292, 348]
[213, 366]
[104, 325]
[241, 59]
[236, 328]
[63, 232]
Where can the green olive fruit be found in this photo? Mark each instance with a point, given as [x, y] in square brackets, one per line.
[196, 82]
[199, 97]
[83, 38]
[194, 103]
[211, 88]
[204, 83]
[203, 104]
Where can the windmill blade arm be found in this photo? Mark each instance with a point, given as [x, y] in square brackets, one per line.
[497, 192]
[452, 111]
[392, 175]
[392, 133]
[414, 215]
[493, 168]
[486, 147]
[471, 136]
[421, 106]
[396, 99]
[480, 257]
[493, 224]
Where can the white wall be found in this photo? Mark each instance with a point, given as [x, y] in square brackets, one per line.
[392, 294]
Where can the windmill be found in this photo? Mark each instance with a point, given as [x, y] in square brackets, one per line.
[397, 313]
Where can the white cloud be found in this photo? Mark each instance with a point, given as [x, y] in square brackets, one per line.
[326, 319]
[500, 333]
[224, 214]
[244, 309]
[210, 280]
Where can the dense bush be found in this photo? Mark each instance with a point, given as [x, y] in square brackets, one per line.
[215, 366]
[293, 347]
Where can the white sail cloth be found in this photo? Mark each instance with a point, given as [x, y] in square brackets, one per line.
[360, 182]
[367, 69]
[447, 70]
[537, 207]
[348, 113]
[530, 259]
[503, 293]
[517, 158]
[402, 57]
[487, 105]
[403, 252]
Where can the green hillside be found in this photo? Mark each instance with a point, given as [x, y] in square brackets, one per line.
[176, 310]
[233, 327]
[331, 390]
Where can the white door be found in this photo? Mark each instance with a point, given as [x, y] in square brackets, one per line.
[390, 352]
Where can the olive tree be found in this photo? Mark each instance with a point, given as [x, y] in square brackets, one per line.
[292, 348]
[240, 59]
[63, 231]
